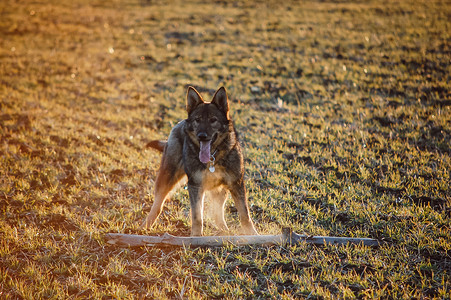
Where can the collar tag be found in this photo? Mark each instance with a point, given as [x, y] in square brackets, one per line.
[211, 168]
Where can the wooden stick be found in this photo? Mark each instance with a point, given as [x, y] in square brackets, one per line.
[287, 237]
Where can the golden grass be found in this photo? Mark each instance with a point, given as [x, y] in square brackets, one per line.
[344, 115]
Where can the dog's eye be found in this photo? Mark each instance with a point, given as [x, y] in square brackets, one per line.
[213, 119]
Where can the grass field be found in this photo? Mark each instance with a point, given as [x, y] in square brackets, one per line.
[343, 109]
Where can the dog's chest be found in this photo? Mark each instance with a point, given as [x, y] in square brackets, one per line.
[211, 180]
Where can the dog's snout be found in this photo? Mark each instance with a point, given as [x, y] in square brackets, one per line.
[202, 136]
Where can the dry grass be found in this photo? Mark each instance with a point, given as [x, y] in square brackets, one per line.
[344, 115]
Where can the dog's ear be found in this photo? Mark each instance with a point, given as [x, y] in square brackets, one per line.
[193, 99]
[221, 101]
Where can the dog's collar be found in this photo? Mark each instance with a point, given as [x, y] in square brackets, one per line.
[211, 163]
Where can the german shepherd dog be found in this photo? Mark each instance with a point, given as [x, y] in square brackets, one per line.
[205, 148]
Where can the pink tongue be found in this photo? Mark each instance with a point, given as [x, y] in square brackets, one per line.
[204, 153]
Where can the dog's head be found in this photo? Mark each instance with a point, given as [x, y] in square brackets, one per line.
[207, 121]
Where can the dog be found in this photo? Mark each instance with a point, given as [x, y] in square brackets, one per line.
[205, 149]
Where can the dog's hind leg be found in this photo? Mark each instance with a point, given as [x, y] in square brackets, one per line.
[218, 199]
[165, 182]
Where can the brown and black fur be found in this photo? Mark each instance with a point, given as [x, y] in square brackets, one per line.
[206, 123]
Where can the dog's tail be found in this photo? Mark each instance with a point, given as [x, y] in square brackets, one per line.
[158, 145]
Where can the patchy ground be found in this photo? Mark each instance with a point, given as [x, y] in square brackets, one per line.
[344, 115]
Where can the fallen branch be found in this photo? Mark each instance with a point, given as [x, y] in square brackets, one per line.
[287, 237]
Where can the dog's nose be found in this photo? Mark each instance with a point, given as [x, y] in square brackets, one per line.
[202, 136]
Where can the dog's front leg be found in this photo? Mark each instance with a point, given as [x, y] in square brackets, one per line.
[238, 192]
[196, 198]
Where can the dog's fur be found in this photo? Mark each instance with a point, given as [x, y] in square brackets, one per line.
[207, 134]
